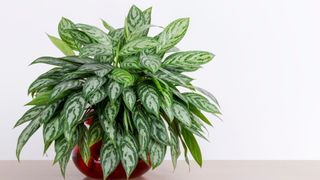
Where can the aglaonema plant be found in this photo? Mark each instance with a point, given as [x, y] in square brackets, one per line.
[130, 83]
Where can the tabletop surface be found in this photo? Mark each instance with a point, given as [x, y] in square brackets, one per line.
[211, 170]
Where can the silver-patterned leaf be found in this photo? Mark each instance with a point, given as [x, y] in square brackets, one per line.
[30, 115]
[107, 25]
[149, 98]
[172, 34]
[92, 50]
[114, 90]
[95, 132]
[159, 131]
[131, 63]
[63, 162]
[63, 28]
[111, 110]
[150, 62]
[109, 158]
[208, 94]
[96, 34]
[108, 127]
[80, 37]
[61, 45]
[134, 20]
[157, 153]
[72, 113]
[138, 45]
[122, 76]
[79, 60]
[92, 84]
[182, 113]
[147, 18]
[175, 147]
[56, 62]
[129, 154]
[201, 102]
[47, 113]
[168, 111]
[129, 98]
[41, 83]
[83, 143]
[143, 127]
[99, 69]
[52, 130]
[59, 90]
[32, 127]
[98, 96]
[173, 77]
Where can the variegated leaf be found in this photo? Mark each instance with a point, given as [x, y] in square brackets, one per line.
[143, 127]
[63, 28]
[92, 50]
[147, 18]
[30, 115]
[176, 92]
[167, 96]
[114, 90]
[107, 25]
[108, 127]
[131, 63]
[76, 75]
[104, 58]
[60, 89]
[32, 127]
[129, 98]
[95, 133]
[72, 112]
[61, 45]
[134, 20]
[41, 83]
[111, 110]
[188, 60]
[96, 34]
[98, 96]
[138, 45]
[159, 131]
[63, 162]
[168, 111]
[172, 34]
[92, 84]
[157, 153]
[83, 144]
[173, 77]
[150, 62]
[175, 147]
[46, 114]
[122, 76]
[129, 154]
[201, 102]
[109, 157]
[182, 113]
[99, 69]
[208, 94]
[149, 98]
[61, 147]
[117, 36]
[56, 62]
[79, 60]
[80, 37]
[52, 130]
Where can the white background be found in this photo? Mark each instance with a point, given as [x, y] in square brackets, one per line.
[265, 74]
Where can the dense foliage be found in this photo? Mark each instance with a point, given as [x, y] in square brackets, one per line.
[128, 82]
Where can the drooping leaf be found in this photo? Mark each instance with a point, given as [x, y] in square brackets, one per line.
[38, 84]
[84, 146]
[30, 115]
[62, 46]
[150, 62]
[96, 68]
[159, 131]
[175, 147]
[92, 84]
[198, 113]
[41, 99]
[56, 62]
[60, 90]
[129, 98]
[172, 34]
[193, 146]
[138, 45]
[201, 102]
[134, 20]
[52, 130]
[157, 153]
[98, 96]
[95, 132]
[173, 78]
[168, 111]
[149, 98]
[79, 60]
[143, 127]
[208, 94]
[114, 90]
[63, 28]
[122, 76]
[111, 110]
[129, 154]
[96, 34]
[63, 163]
[108, 127]
[109, 157]
[181, 113]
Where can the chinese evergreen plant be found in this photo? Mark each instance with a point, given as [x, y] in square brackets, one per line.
[128, 82]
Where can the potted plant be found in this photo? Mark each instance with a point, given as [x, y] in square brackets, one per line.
[113, 99]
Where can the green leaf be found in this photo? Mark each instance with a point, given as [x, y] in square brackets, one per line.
[129, 98]
[114, 90]
[97, 68]
[129, 154]
[134, 20]
[72, 112]
[198, 113]
[193, 146]
[111, 110]
[98, 96]
[147, 18]
[138, 45]
[96, 34]
[59, 90]
[150, 62]
[173, 78]
[107, 25]
[157, 153]
[52, 130]
[91, 50]
[83, 143]
[181, 113]
[80, 37]
[92, 84]
[95, 132]
[109, 128]
[56, 62]
[168, 111]
[175, 147]
[63, 162]
[41, 99]
[63, 147]
[41, 83]
[208, 94]
[172, 34]
[131, 63]
[62, 46]
[32, 127]
[159, 131]
[109, 158]
[149, 98]
[201, 102]
[122, 76]
[143, 127]
[63, 28]
[79, 60]
[30, 115]
[188, 60]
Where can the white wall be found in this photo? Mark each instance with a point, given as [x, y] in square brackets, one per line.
[266, 72]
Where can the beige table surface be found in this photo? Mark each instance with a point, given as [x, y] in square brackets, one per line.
[212, 170]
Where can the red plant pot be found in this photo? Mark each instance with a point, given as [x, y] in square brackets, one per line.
[94, 170]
